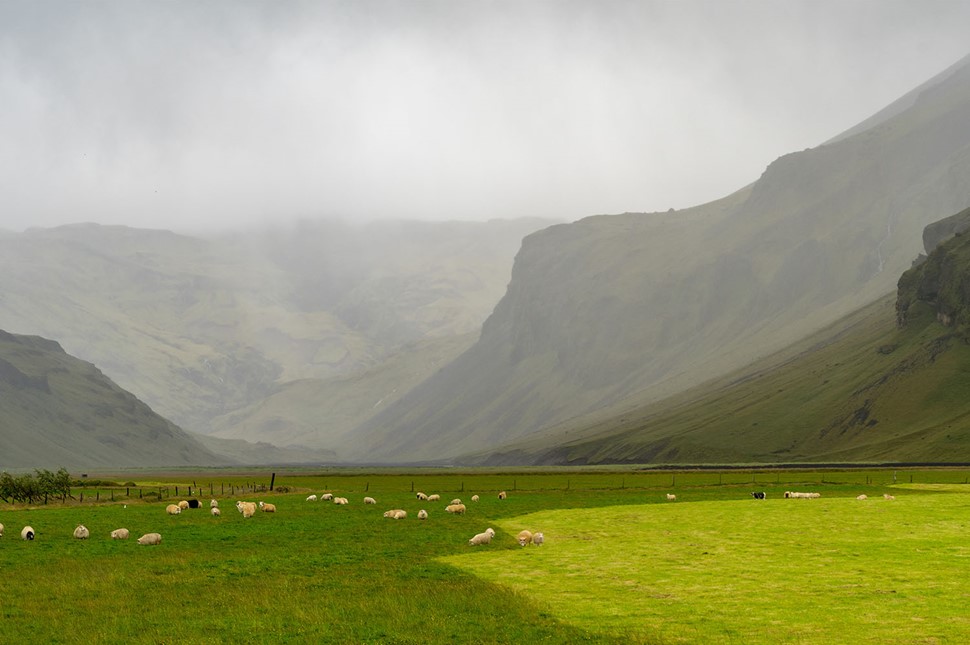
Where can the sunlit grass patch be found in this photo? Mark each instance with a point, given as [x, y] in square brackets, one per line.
[747, 571]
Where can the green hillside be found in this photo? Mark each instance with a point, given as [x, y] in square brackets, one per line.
[888, 383]
[56, 410]
[647, 304]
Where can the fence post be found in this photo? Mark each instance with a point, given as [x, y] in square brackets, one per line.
[272, 481]
[82, 497]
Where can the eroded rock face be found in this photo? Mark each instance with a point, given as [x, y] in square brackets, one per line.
[942, 282]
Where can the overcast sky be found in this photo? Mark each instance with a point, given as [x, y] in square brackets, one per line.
[189, 115]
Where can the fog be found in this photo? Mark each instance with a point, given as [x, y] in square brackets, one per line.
[196, 116]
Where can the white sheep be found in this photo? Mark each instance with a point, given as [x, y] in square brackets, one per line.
[150, 539]
[475, 498]
[81, 532]
[482, 538]
[173, 509]
[422, 514]
[538, 539]
[789, 494]
[248, 509]
[311, 498]
[396, 514]
[341, 501]
[671, 497]
[1, 530]
[502, 494]
[524, 537]
[214, 504]
[456, 501]
[326, 497]
[421, 496]
[267, 508]
[370, 500]
[27, 533]
[434, 498]
[885, 496]
[457, 509]
[216, 512]
[184, 504]
[863, 496]
[119, 534]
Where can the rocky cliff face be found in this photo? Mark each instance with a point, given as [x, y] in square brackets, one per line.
[647, 304]
[942, 282]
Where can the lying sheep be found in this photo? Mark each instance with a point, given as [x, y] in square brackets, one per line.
[885, 496]
[524, 537]
[502, 495]
[184, 504]
[341, 501]
[215, 511]
[456, 501]
[434, 498]
[791, 495]
[326, 497]
[173, 509]
[671, 497]
[81, 532]
[267, 508]
[421, 496]
[119, 534]
[27, 533]
[475, 498]
[150, 539]
[482, 538]
[396, 514]
[457, 509]
[422, 514]
[311, 498]
[538, 539]
[213, 504]
[370, 500]
[1, 530]
[863, 496]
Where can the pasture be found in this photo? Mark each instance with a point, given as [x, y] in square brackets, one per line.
[620, 563]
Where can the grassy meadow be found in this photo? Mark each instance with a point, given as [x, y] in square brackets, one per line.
[620, 564]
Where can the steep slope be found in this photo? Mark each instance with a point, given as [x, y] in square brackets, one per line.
[56, 410]
[650, 304]
[888, 382]
[199, 328]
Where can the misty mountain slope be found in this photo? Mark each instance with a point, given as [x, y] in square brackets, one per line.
[652, 303]
[323, 413]
[199, 328]
[888, 382]
[56, 410]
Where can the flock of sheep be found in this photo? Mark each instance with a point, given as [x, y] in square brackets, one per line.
[82, 533]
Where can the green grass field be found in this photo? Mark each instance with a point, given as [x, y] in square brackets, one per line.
[620, 563]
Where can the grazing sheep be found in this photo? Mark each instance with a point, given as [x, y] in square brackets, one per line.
[456, 501]
[475, 498]
[421, 496]
[341, 501]
[885, 496]
[184, 504]
[173, 509]
[81, 532]
[326, 497]
[524, 537]
[863, 496]
[267, 508]
[150, 539]
[1, 530]
[214, 504]
[759, 495]
[434, 498]
[27, 533]
[370, 500]
[671, 497]
[215, 511]
[396, 514]
[194, 503]
[119, 534]
[457, 509]
[482, 538]
[502, 495]
[538, 539]
[248, 509]
[422, 514]
[311, 498]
